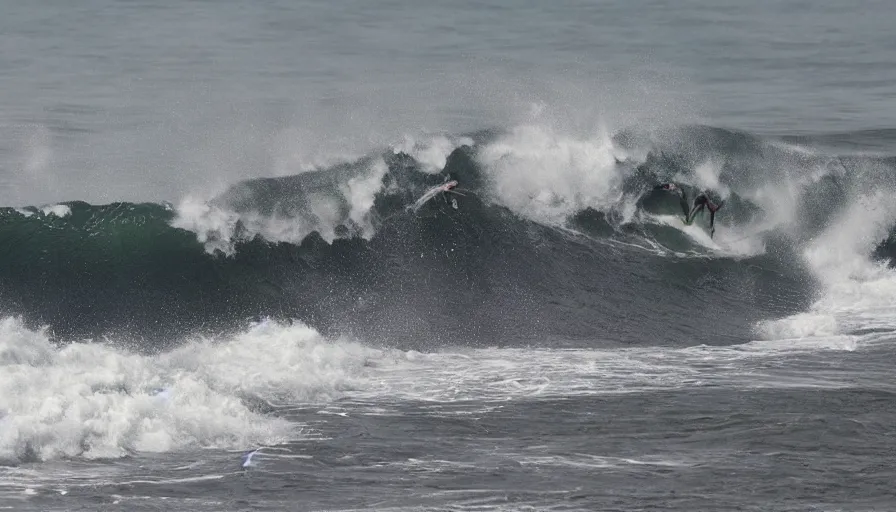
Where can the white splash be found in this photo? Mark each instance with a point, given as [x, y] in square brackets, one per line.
[360, 191]
[545, 175]
[431, 152]
[59, 210]
[214, 226]
[219, 228]
[94, 401]
[707, 178]
[856, 291]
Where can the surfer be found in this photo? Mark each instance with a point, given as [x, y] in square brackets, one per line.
[449, 187]
[700, 202]
[703, 201]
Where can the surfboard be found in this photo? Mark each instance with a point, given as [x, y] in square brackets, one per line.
[445, 188]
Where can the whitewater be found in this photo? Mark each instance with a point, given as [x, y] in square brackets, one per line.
[216, 292]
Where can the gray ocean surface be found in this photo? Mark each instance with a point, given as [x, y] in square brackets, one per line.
[152, 99]
[147, 101]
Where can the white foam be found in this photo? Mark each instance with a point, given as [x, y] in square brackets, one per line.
[726, 242]
[360, 191]
[801, 325]
[214, 226]
[218, 228]
[695, 232]
[93, 401]
[431, 152]
[707, 178]
[59, 210]
[739, 243]
[288, 363]
[780, 195]
[546, 175]
[478, 376]
[856, 293]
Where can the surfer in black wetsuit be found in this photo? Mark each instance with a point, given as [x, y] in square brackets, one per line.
[703, 201]
[700, 202]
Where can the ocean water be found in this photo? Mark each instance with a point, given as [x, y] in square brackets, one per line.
[215, 293]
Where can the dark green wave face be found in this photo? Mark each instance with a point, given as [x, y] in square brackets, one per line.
[481, 273]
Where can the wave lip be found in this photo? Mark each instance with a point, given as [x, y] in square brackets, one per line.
[287, 209]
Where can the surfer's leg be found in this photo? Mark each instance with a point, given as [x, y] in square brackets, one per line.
[713, 208]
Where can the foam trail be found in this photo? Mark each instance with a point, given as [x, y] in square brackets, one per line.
[496, 375]
[740, 243]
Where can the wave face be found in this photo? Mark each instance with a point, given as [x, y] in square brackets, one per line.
[556, 238]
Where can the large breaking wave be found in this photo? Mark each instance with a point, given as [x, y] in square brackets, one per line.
[209, 314]
[556, 237]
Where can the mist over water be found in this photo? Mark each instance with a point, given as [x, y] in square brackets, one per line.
[216, 294]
